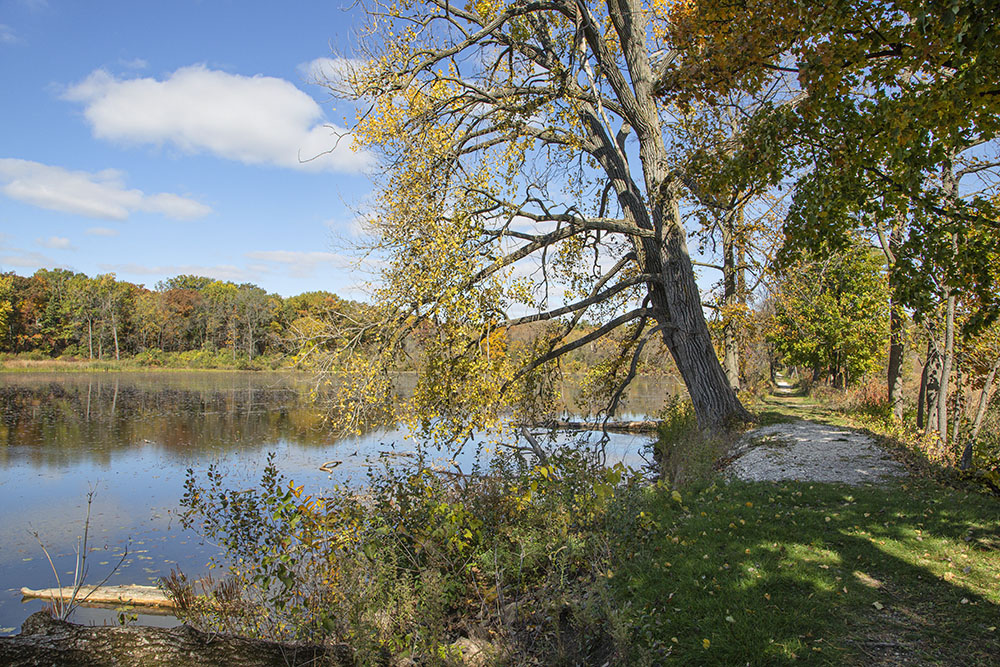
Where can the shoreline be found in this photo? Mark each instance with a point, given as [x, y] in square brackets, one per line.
[16, 366]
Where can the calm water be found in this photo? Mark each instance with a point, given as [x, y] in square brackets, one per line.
[131, 437]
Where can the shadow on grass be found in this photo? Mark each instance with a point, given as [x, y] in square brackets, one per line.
[776, 573]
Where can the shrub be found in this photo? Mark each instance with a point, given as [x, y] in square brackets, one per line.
[683, 454]
[401, 567]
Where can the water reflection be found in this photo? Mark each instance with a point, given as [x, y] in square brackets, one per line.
[58, 420]
[132, 436]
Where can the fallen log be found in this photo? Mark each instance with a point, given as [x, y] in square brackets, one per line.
[134, 595]
[639, 426]
[47, 641]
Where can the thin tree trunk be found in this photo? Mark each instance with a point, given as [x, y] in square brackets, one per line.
[933, 387]
[896, 352]
[890, 240]
[984, 400]
[949, 185]
[114, 331]
[956, 418]
[946, 363]
[731, 352]
[90, 337]
[741, 286]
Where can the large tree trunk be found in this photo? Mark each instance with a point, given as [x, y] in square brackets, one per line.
[678, 309]
[922, 392]
[46, 641]
[674, 299]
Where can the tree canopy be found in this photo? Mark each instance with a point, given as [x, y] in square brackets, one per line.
[529, 178]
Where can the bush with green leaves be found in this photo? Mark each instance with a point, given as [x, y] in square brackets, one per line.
[683, 453]
[515, 552]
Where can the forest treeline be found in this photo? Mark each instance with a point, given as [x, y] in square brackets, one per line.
[59, 313]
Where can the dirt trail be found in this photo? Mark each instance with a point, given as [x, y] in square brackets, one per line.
[809, 451]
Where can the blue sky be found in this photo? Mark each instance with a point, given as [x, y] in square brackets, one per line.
[151, 139]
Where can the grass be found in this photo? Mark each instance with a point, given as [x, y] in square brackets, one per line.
[172, 361]
[791, 404]
[907, 572]
[776, 573]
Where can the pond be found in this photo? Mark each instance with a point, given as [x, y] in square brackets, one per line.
[130, 438]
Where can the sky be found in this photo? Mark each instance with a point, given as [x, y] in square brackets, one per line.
[151, 139]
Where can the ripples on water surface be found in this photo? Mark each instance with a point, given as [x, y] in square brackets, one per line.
[131, 437]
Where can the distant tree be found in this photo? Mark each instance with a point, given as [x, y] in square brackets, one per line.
[150, 319]
[221, 316]
[256, 309]
[188, 282]
[6, 308]
[183, 328]
[832, 314]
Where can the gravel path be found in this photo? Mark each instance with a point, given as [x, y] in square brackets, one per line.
[811, 452]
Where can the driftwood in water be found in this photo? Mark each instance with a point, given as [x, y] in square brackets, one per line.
[641, 426]
[47, 641]
[136, 596]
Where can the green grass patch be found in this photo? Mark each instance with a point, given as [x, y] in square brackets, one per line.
[148, 360]
[781, 573]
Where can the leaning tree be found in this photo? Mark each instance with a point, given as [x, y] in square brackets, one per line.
[528, 180]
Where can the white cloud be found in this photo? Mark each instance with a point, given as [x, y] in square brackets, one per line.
[95, 195]
[102, 231]
[55, 243]
[26, 260]
[135, 63]
[329, 71]
[254, 120]
[360, 226]
[294, 256]
[301, 264]
[14, 256]
[218, 271]
[7, 35]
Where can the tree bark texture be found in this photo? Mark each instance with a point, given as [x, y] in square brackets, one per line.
[950, 186]
[891, 239]
[922, 392]
[933, 388]
[984, 400]
[47, 641]
[896, 352]
[730, 297]
[946, 363]
[676, 301]
[685, 333]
